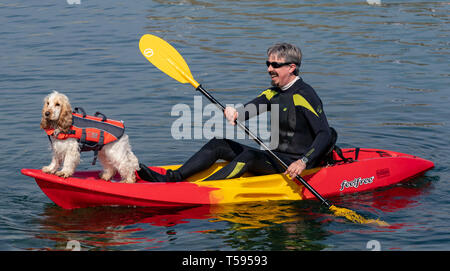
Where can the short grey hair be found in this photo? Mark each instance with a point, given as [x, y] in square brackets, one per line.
[290, 53]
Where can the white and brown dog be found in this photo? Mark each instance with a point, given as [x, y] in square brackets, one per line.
[115, 157]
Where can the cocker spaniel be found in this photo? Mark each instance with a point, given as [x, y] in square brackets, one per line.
[116, 156]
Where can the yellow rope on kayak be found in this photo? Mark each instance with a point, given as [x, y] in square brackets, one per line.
[354, 217]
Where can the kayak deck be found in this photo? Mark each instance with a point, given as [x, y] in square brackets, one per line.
[373, 169]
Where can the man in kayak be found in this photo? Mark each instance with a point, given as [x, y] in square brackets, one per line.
[304, 134]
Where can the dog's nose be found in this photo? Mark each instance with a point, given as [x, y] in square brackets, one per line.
[47, 113]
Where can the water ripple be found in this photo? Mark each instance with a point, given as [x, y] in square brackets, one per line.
[381, 71]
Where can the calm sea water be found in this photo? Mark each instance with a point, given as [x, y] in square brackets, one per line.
[382, 72]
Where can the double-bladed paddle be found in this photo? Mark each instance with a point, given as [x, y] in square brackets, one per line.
[166, 58]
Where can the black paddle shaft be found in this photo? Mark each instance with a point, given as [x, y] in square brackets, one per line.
[261, 143]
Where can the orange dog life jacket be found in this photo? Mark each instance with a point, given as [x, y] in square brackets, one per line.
[91, 132]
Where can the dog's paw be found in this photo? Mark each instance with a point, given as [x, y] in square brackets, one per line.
[63, 174]
[105, 176]
[128, 181]
[48, 170]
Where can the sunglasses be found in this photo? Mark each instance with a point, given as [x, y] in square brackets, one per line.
[277, 65]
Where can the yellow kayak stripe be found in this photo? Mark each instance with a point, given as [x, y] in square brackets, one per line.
[248, 188]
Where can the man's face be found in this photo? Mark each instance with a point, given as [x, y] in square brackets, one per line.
[280, 76]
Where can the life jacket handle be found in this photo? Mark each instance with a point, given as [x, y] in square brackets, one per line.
[83, 113]
[77, 109]
[100, 114]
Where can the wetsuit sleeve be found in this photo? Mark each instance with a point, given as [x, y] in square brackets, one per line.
[319, 125]
[256, 106]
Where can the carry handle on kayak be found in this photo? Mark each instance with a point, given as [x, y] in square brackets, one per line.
[166, 58]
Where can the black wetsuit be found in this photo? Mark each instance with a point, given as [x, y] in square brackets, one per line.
[303, 132]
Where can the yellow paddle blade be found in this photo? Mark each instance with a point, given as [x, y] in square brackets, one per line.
[354, 217]
[166, 58]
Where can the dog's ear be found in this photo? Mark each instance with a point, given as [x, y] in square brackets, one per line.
[65, 117]
[44, 123]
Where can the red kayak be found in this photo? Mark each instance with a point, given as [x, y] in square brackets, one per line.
[368, 169]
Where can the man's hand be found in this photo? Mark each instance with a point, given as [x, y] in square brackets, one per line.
[231, 115]
[295, 168]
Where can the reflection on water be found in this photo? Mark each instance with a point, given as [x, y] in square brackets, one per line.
[257, 226]
[243, 227]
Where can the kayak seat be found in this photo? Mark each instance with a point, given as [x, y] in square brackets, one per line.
[328, 158]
